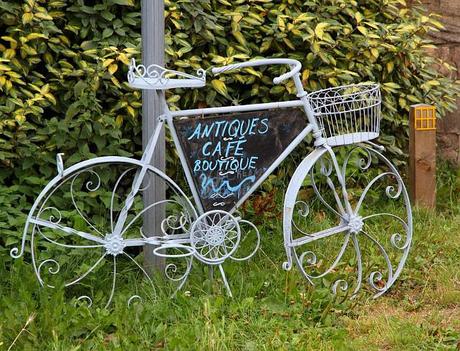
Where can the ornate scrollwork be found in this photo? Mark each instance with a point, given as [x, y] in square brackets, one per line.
[57, 268]
[177, 222]
[86, 298]
[244, 236]
[363, 162]
[305, 210]
[375, 277]
[308, 257]
[158, 75]
[133, 298]
[393, 193]
[326, 166]
[92, 186]
[215, 236]
[354, 223]
[339, 284]
[64, 203]
[172, 272]
[55, 217]
[396, 240]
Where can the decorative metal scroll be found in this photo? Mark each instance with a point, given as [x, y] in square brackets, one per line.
[227, 154]
[368, 226]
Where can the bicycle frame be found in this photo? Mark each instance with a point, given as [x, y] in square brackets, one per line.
[168, 117]
[214, 234]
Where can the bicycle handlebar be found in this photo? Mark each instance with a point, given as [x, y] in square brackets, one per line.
[293, 64]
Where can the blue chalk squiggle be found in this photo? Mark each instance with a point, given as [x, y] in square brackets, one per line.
[208, 186]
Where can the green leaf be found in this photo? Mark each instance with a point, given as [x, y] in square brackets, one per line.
[4, 67]
[304, 17]
[319, 29]
[375, 52]
[392, 85]
[33, 36]
[122, 2]
[113, 68]
[220, 87]
[238, 36]
[27, 17]
[107, 33]
[72, 110]
[390, 66]
[362, 30]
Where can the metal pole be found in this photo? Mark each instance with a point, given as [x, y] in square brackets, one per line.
[153, 53]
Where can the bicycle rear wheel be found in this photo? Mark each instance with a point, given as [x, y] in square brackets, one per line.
[72, 228]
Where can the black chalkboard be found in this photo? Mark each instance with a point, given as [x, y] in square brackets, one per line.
[228, 153]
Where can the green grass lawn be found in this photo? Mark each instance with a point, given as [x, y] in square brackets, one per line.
[271, 310]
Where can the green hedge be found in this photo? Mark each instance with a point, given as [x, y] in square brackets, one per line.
[63, 72]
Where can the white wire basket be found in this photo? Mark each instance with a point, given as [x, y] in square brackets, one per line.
[348, 114]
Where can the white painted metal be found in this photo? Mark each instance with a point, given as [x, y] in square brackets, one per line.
[352, 222]
[156, 77]
[336, 116]
[188, 174]
[276, 163]
[215, 236]
[348, 114]
[236, 108]
[114, 243]
[293, 64]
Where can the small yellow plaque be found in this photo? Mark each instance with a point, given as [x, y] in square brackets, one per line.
[425, 117]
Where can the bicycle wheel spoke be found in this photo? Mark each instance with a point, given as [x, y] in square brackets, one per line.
[76, 280]
[68, 230]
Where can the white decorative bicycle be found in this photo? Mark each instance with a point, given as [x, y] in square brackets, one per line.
[88, 219]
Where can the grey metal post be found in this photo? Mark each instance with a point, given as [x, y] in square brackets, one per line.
[153, 53]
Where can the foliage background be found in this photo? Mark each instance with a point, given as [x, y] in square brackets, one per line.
[63, 72]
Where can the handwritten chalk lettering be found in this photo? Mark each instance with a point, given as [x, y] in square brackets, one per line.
[229, 164]
[227, 154]
[236, 128]
[231, 148]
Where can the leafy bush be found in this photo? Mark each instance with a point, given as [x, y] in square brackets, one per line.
[337, 41]
[63, 66]
[63, 90]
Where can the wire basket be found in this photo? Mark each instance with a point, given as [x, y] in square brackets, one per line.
[348, 114]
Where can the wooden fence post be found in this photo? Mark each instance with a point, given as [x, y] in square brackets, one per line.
[422, 155]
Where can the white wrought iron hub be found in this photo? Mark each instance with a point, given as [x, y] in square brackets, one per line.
[215, 236]
[114, 244]
[355, 223]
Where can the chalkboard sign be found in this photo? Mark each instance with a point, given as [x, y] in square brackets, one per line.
[227, 154]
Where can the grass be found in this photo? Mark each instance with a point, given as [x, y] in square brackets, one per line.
[271, 309]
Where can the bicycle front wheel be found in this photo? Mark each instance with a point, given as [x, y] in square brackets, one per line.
[347, 218]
